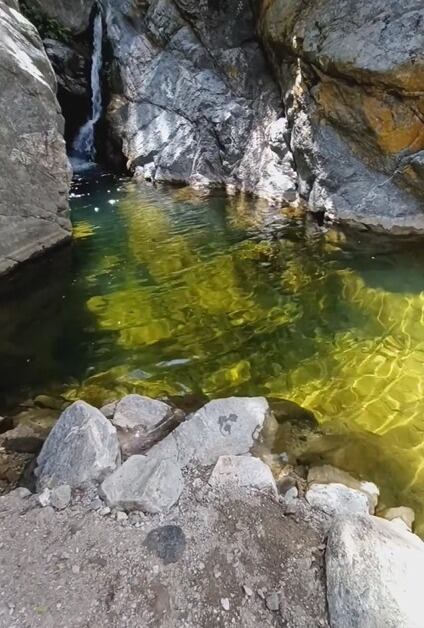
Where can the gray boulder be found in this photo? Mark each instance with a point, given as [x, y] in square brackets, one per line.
[352, 81]
[141, 422]
[235, 472]
[338, 499]
[222, 427]
[193, 98]
[144, 483]
[82, 447]
[34, 170]
[374, 575]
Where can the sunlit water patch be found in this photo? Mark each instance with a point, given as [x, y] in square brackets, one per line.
[171, 293]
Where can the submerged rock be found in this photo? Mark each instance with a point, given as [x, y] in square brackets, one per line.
[235, 472]
[34, 170]
[82, 447]
[337, 499]
[141, 422]
[374, 575]
[222, 427]
[143, 483]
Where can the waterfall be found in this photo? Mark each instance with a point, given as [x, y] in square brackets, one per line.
[83, 146]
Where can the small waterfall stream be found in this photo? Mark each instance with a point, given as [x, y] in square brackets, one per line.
[84, 146]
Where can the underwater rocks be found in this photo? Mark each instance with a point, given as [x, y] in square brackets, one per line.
[82, 447]
[351, 75]
[192, 98]
[34, 169]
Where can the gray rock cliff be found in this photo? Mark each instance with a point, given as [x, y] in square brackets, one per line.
[34, 170]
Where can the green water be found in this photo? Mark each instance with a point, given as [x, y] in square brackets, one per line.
[166, 292]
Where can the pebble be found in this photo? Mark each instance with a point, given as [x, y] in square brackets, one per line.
[272, 601]
[96, 504]
[44, 498]
[247, 590]
[21, 492]
[225, 603]
[121, 516]
[60, 497]
[103, 512]
[75, 569]
[216, 573]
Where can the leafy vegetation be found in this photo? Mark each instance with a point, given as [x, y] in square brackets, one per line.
[47, 27]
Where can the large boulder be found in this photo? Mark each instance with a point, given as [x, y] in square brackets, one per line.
[141, 422]
[193, 98]
[222, 427]
[352, 77]
[338, 499]
[82, 447]
[146, 484]
[374, 575]
[34, 169]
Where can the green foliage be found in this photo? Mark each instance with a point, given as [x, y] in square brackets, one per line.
[47, 27]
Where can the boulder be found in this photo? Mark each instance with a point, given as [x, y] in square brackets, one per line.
[404, 513]
[352, 82]
[235, 472]
[141, 422]
[193, 98]
[222, 427]
[337, 499]
[374, 575]
[24, 438]
[34, 169]
[142, 483]
[82, 447]
[327, 474]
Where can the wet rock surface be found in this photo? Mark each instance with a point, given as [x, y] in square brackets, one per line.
[34, 170]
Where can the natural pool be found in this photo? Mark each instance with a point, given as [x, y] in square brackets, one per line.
[168, 292]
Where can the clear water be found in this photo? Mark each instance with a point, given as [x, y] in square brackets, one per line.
[166, 292]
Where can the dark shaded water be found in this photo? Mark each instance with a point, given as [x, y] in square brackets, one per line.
[166, 292]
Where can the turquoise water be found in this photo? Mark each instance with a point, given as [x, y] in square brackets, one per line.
[168, 292]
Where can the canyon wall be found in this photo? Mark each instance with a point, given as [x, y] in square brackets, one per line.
[34, 170]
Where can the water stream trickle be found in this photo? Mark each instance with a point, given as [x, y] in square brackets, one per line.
[84, 146]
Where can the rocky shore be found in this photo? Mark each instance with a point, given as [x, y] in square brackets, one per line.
[141, 515]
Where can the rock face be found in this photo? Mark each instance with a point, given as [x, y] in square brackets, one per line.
[141, 483]
[374, 575]
[34, 170]
[141, 422]
[193, 99]
[222, 427]
[74, 15]
[352, 77]
[82, 447]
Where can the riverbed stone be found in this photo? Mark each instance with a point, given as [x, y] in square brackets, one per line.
[404, 513]
[374, 575]
[222, 427]
[235, 472]
[151, 485]
[327, 474]
[24, 438]
[337, 499]
[141, 422]
[82, 447]
[60, 497]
